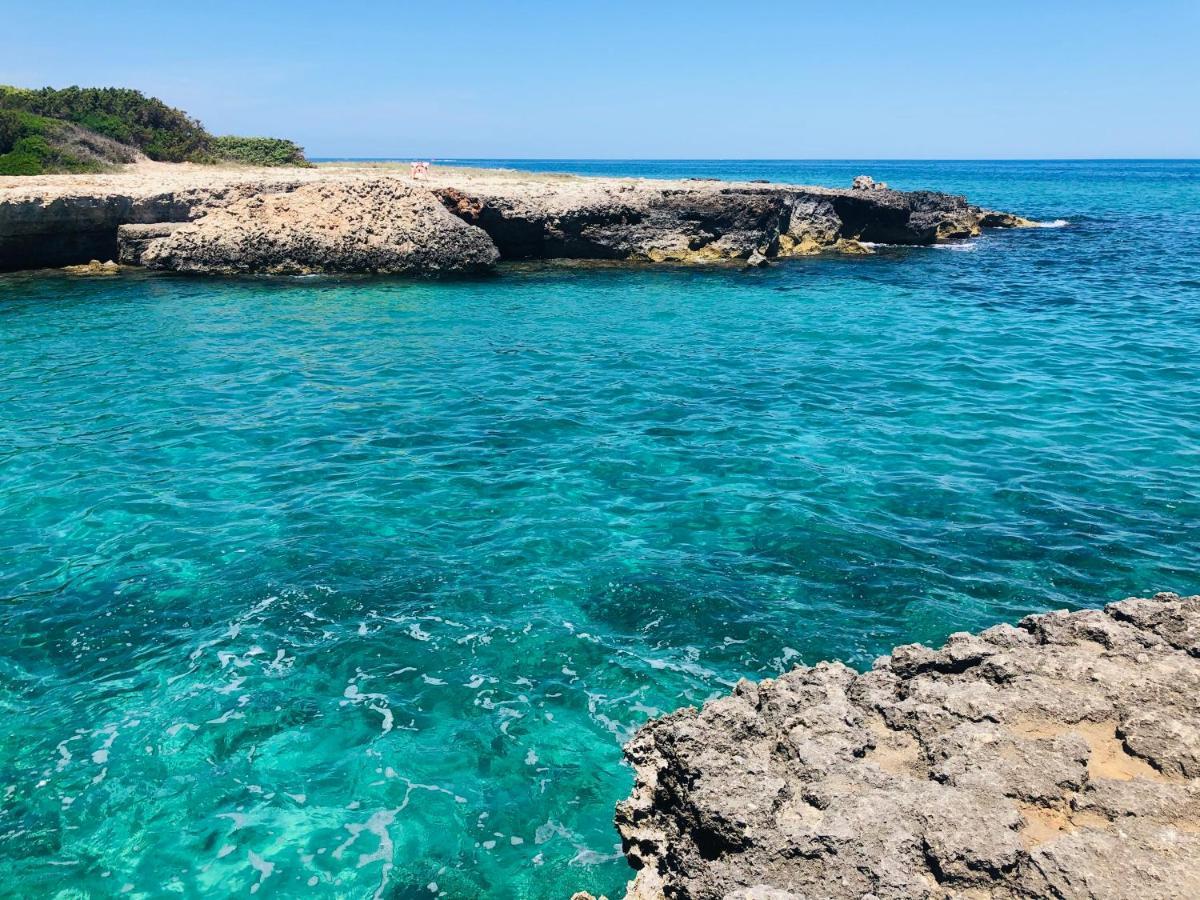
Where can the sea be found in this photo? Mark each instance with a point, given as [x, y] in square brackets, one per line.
[355, 587]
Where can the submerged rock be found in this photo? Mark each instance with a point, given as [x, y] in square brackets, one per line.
[1058, 758]
[989, 218]
[381, 226]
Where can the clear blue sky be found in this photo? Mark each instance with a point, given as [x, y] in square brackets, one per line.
[645, 79]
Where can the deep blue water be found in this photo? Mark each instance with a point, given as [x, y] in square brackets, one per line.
[345, 588]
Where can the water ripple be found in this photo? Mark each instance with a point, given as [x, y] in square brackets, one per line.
[331, 586]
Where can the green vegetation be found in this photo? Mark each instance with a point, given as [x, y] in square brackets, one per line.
[11, 129]
[88, 129]
[259, 151]
[31, 145]
[125, 115]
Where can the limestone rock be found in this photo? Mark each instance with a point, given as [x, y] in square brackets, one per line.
[63, 219]
[95, 267]
[686, 222]
[380, 226]
[989, 218]
[132, 240]
[867, 183]
[1057, 758]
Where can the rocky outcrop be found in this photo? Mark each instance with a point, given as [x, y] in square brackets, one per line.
[380, 226]
[95, 267]
[684, 222]
[867, 183]
[1057, 758]
[64, 219]
[57, 229]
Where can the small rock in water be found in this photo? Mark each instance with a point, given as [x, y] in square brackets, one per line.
[757, 261]
[867, 183]
[95, 267]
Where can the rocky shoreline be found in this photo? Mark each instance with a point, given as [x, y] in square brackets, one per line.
[373, 219]
[1057, 758]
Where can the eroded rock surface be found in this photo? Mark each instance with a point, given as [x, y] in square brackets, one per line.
[60, 227]
[641, 219]
[380, 226]
[1058, 758]
[62, 219]
[132, 240]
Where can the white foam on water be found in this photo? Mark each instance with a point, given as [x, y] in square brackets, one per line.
[1057, 223]
[388, 719]
[261, 866]
[377, 825]
[65, 753]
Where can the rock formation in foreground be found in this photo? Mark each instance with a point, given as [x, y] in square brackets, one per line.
[1058, 758]
[380, 226]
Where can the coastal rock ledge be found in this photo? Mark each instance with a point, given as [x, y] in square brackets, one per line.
[1058, 758]
[335, 218]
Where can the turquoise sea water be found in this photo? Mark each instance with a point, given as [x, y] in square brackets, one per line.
[353, 588]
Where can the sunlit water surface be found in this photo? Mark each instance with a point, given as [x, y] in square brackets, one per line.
[354, 588]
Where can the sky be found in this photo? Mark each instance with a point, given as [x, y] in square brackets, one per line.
[642, 80]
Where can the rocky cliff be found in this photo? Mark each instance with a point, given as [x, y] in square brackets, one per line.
[77, 219]
[705, 221]
[1057, 758]
[60, 220]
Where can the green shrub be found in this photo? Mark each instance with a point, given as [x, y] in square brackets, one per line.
[34, 144]
[38, 148]
[259, 151]
[21, 164]
[161, 132]
[128, 116]
[10, 129]
[16, 124]
[108, 125]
